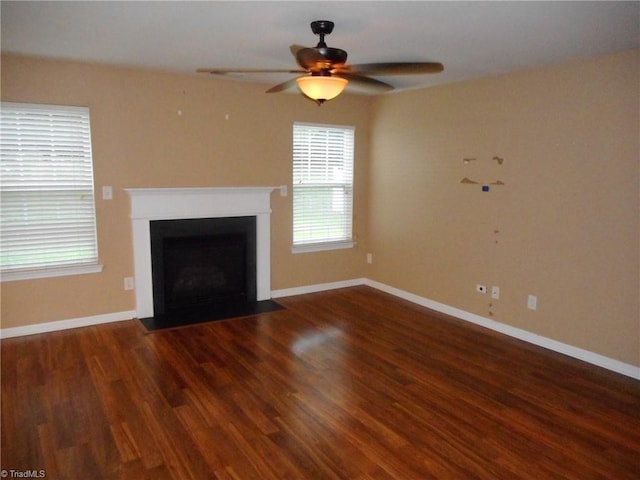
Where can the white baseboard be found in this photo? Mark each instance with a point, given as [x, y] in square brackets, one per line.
[320, 287]
[548, 343]
[66, 324]
[569, 350]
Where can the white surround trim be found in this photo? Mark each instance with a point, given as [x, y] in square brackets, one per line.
[149, 204]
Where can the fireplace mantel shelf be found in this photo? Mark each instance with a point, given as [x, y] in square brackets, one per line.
[199, 202]
[199, 190]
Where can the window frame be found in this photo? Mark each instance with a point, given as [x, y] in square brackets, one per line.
[327, 244]
[16, 272]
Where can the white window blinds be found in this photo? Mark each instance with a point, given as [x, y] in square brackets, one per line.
[46, 180]
[322, 185]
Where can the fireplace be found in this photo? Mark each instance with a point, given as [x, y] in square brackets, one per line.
[202, 265]
[153, 206]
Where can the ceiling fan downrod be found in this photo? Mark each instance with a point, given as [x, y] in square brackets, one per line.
[322, 28]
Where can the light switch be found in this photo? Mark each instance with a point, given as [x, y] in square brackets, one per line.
[107, 193]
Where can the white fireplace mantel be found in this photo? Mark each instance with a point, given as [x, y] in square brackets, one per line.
[148, 204]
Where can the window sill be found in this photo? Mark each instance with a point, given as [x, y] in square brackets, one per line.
[12, 276]
[320, 247]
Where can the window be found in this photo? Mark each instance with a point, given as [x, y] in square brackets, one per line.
[322, 187]
[47, 219]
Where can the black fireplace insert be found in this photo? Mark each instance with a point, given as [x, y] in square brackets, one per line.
[203, 269]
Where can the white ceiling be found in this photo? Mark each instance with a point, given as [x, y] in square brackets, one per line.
[471, 39]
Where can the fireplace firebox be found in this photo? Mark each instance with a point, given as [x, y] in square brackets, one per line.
[202, 264]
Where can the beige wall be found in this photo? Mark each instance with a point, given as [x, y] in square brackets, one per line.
[566, 224]
[140, 140]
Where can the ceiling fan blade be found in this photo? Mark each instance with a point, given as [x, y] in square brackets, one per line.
[365, 83]
[227, 71]
[294, 49]
[310, 58]
[306, 57]
[282, 86]
[393, 68]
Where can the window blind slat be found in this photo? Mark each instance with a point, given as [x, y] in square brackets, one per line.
[322, 183]
[46, 179]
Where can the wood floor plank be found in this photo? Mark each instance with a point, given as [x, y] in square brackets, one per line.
[347, 384]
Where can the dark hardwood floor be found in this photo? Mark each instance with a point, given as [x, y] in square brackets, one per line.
[347, 384]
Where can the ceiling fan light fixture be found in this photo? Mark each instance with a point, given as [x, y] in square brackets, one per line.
[320, 87]
[325, 68]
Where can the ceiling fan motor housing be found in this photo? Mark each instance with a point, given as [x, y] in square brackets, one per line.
[321, 59]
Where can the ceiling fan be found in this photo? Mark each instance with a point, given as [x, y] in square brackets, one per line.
[325, 72]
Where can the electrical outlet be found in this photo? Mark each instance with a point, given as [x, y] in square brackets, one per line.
[495, 292]
[532, 302]
[128, 283]
[369, 258]
[481, 288]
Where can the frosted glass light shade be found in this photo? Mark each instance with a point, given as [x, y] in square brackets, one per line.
[321, 88]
